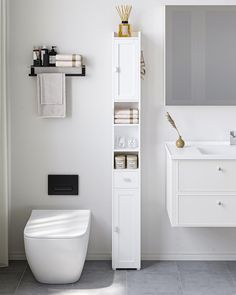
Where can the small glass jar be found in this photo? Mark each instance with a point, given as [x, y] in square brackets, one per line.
[124, 29]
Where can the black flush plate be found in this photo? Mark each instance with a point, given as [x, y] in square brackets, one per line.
[63, 184]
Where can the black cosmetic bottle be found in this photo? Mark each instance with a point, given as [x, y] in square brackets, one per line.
[52, 56]
[45, 56]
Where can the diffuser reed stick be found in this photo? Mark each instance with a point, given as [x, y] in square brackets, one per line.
[124, 13]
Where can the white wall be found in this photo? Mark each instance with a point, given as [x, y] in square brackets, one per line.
[82, 142]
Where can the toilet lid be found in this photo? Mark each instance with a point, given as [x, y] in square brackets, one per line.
[57, 224]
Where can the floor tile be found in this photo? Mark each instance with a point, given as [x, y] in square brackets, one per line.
[9, 282]
[205, 283]
[15, 266]
[162, 267]
[101, 265]
[208, 266]
[101, 282]
[91, 282]
[232, 268]
[143, 283]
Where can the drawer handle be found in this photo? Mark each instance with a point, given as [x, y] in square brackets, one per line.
[219, 203]
[126, 179]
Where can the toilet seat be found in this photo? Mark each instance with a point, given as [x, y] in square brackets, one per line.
[57, 224]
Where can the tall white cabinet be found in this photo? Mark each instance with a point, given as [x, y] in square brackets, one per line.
[126, 140]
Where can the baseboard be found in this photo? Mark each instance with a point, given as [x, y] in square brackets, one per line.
[185, 256]
[148, 256]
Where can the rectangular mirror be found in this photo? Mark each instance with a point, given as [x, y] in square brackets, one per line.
[200, 55]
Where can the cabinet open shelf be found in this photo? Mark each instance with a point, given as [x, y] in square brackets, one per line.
[126, 150]
[125, 125]
[51, 69]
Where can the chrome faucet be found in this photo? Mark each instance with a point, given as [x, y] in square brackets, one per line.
[233, 137]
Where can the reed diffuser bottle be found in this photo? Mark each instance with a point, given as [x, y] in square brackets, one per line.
[124, 13]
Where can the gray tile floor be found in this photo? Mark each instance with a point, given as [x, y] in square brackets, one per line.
[156, 277]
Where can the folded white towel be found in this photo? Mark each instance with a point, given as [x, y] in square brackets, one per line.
[69, 57]
[128, 116]
[51, 95]
[70, 64]
[126, 121]
[126, 112]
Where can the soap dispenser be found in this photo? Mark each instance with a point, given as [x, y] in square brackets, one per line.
[52, 56]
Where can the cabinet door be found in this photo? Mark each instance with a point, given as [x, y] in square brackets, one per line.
[126, 64]
[126, 229]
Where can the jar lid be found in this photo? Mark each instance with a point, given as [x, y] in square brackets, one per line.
[132, 157]
[120, 157]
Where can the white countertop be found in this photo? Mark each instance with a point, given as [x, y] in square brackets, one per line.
[202, 150]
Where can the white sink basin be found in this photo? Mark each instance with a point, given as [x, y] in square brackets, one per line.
[202, 150]
[217, 150]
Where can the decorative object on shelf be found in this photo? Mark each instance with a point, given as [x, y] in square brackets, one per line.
[120, 162]
[126, 116]
[122, 142]
[44, 56]
[132, 161]
[180, 142]
[126, 161]
[52, 56]
[143, 66]
[36, 56]
[68, 60]
[124, 13]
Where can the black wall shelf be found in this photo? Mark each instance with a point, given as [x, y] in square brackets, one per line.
[82, 74]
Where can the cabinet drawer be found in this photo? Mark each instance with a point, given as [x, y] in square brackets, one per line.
[207, 210]
[124, 179]
[207, 175]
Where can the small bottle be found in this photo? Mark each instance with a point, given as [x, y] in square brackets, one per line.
[124, 29]
[44, 56]
[52, 56]
[36, 57]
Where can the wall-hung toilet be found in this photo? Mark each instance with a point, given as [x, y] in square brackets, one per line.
[56, 244]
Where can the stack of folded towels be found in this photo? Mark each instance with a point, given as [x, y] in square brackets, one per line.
[68, 60]
[126, 116]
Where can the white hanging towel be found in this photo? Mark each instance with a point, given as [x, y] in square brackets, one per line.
[51, 95]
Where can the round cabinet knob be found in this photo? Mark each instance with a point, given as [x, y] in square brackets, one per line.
[219, 203]
[116, 69]
[116, 229]
[219, 169]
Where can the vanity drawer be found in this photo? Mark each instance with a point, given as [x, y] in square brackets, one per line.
[207, 210]
[207, 175]
[126, 179]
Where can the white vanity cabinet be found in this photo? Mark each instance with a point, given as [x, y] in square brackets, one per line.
[200, 188]
[126, 183]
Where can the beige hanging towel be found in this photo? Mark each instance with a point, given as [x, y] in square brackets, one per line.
[51, 95]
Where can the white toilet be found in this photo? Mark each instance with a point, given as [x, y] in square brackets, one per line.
[56, 244]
